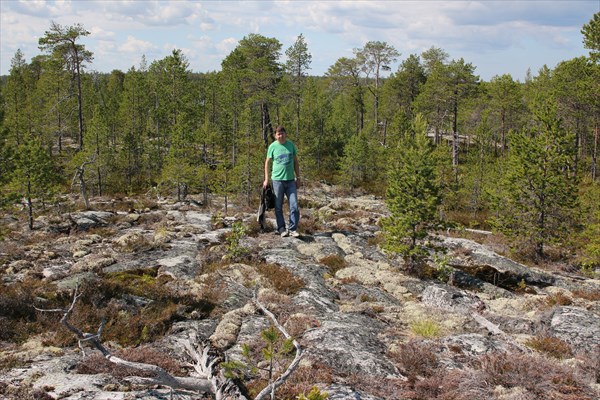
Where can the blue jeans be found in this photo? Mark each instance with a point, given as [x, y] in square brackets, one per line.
[281, 189]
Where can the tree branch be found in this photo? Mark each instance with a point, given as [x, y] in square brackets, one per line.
[270, 389]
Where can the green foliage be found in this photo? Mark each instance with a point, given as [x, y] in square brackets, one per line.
[34, 176]
[537, 198]
[263, 362]
[235, 250]
[442, 270]
[314, 394]
[591, 37]
[589, 237]
[413, 194]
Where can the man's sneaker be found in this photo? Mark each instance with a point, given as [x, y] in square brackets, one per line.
[283, 232]
[294, 234]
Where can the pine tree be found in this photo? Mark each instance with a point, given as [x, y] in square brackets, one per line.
[413, 194]
[34, 175]
[537, 198]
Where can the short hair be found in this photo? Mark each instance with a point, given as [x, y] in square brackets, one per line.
[280, 128]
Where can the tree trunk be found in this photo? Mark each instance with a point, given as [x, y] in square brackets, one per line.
[595, 153]
[455, 141]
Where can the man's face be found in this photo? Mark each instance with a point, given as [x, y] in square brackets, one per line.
[281, 136]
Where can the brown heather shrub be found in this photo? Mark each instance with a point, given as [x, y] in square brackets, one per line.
[558, 299]
[536, 375]
[376, 240]
[112, 297]
[279, 304]
[281, 278]
[334, 263]
[11, 251]
[587, 294]
[381, 386]
[98, 364]
[551, 346]
[415, 359]
[310, 225]
[18, 317]
[254, 228]
[304, 378]
[297, 324]
[349, 279]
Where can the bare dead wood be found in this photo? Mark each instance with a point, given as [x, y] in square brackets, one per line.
[270, 389]
[79, 175]
[161, 377]
[205, 365]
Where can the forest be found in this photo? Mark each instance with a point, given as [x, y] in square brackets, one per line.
[518, 158]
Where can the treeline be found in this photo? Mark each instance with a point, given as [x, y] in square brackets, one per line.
[162, 127]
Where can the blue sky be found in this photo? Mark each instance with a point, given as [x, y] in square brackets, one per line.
[497, 37]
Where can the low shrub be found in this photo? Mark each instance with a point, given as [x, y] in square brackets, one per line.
[281, 278]
[98, 364]
[587, 294]
[552, 346]
[334, 262]
[415, 359]
[558, 299]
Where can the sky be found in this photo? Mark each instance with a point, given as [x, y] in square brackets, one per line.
[496, 37]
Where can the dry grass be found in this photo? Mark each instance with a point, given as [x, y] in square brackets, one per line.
[426, 328]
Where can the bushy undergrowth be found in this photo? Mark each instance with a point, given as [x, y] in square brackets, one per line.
[136, 305]
[551, 346]
[98, 364]
[282, 280]
[490, 376]
[334, 263]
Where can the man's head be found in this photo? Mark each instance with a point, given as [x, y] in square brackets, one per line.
[280, 134]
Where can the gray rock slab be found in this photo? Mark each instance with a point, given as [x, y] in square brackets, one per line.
[349, 343]
[576, 326]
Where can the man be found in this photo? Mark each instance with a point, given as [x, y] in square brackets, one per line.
[286, 179]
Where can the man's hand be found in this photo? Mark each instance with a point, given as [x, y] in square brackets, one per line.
[265, 183]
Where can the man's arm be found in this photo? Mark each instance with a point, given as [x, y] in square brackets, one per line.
[266, 181]
[297, 171]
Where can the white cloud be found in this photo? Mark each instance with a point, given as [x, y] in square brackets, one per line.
[212, 29]
[136, 46]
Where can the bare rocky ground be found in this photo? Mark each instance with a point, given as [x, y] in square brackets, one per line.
[472, 325]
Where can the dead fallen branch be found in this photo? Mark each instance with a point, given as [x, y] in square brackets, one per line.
[272, 386]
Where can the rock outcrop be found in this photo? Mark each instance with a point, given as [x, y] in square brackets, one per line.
[352, 319]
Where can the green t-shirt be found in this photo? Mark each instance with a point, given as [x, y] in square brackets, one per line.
[283, 160]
